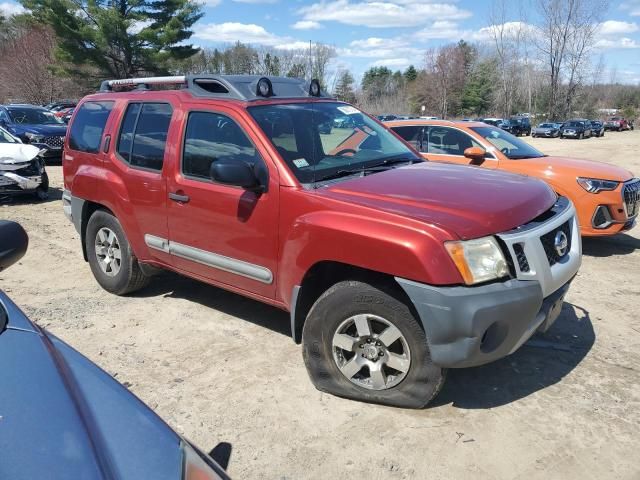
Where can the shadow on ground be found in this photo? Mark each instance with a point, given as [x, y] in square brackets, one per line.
[528, 370]
[172, 285]
[55, 194]
[620, 244]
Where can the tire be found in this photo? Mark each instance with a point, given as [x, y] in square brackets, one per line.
[42, 192]
[533, 135]
[335, 311]
[120, 277]
[580, 136]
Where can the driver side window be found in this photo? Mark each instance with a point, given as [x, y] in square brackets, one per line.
[210, 137]
[4, 117]
[447, 141]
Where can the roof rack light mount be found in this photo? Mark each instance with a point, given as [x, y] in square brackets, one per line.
[239, 87]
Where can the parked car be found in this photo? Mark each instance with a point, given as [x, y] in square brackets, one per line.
[392, 268]
[57, 106]
[63, 417]
[22, 169]
[35, 125]
[343, 121]
[387, 117]
[576, 129]
[548, 130]
[496, 122]
[616, 123]
[606, 196]
[69, 113]
[597, 128]
[520, 126]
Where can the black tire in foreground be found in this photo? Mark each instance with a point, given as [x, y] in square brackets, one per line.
[112, 262]
[363, 342]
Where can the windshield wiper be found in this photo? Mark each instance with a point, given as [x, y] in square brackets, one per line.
[364, 170]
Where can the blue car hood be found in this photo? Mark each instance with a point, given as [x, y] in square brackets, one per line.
[48, 130]
[63, 417]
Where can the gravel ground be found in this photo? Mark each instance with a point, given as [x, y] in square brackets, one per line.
[222, 368]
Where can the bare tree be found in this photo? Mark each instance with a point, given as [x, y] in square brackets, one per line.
[566, 35]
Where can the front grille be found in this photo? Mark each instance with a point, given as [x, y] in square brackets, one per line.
[55, 142]
[521, 258]
[548, 242]
[631, 194]
[31, 170]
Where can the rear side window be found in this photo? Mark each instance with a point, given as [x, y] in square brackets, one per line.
[143, 135]
[210, 137]
[86, 130]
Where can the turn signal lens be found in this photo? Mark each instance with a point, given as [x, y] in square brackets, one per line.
[478, 260]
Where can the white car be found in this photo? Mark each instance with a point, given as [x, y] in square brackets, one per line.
[22, 169]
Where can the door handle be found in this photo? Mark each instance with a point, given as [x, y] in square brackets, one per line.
[176, 197]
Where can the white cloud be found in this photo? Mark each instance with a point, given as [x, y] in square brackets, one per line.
[615, 27]
[9, 8]
[510, 29]
[306, 25]
[231, 32]
[441, 30]
[623, 42]
[297, 45]
[382, 13]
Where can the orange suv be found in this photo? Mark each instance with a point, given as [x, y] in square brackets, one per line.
[606, 197]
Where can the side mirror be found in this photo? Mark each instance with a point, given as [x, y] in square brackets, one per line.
[13, 243]
[240, 174]
[475, 154]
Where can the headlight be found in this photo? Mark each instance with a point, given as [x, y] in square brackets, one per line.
[478, 260]
[34, 137]
[594, 185]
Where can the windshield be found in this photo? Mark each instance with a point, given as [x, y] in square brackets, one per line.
[33, 116]
[323, 140]
[5, 137]
[511, 146]
[573, 124]
[546, 125]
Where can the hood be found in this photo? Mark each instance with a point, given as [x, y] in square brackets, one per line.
[581, 168]
[48, 130]
[14, 155]
[64, 417]
[469, 202]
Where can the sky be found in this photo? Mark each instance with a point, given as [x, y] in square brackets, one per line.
[393, 33]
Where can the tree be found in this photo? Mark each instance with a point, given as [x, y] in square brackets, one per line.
[410, 74]
[478, 90]
[344, 89]
[566, 35]
[121, 38]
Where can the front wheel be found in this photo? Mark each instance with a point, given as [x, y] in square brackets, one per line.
[581, 136]
[363, 342]
[110, 256]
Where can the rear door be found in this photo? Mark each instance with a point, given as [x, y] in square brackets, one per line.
[138, 160]
[220, 232]
[447, 144]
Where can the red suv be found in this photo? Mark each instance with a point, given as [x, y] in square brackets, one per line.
[392, 268]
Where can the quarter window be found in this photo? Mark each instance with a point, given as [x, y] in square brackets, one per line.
[88, 125]
[143, 135]
[210, 137]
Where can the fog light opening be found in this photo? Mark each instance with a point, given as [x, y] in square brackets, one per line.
[493, 337]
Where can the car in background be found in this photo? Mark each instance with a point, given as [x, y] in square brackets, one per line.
[577, 128]
[597, 128]
[496, 122]
[62, 112]
[64, 417]
[616, 123]
[57, 106]
[35, 125]
[22, 169]
[387, 117]
[547, 130]
[520, 125]
[69, 113]
[343, 121]
[606, 197]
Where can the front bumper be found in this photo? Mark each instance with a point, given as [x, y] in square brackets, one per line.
[470, 326]
[22, 180]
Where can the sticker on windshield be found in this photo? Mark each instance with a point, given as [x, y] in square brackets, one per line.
[348, 110]
[300, 163]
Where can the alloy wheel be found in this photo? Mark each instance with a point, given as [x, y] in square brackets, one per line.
[371, 352]
[108, 252]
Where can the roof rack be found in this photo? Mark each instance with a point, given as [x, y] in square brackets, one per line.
[239, 87]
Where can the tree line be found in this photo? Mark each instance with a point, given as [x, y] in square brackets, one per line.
[548, 67]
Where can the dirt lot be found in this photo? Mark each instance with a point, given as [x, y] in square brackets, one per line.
[221, 368]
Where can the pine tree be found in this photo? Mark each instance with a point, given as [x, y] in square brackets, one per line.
[121, 38]
[410, 74]
[344, 89]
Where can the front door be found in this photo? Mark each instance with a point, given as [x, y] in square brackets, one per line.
[447, 144]
[223, 233]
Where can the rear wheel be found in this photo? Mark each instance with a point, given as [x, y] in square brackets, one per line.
[580, 136]
[363, 342]
[112, 262]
